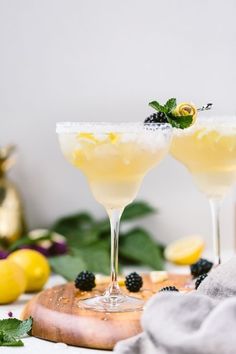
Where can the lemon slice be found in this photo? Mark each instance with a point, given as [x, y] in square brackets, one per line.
[185, 251]
[186, 109]
[113, 137]
[89, 137]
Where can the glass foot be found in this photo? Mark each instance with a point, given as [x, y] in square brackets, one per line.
[120, 303]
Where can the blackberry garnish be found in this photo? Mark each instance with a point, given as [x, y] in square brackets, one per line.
[85, 281]
[200, 267]
[169, 288]
[200, 279]
[158, 117]
[133, 282]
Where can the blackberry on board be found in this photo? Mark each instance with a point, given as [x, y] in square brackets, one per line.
[133, 282]
[169, 288]
[85, 281]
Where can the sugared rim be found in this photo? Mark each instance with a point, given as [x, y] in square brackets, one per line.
[107, 127]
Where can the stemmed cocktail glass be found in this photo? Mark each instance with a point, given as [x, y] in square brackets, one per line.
[208, 150]
[114, 157]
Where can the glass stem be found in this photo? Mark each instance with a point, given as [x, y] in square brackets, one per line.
[114, 216]
[215, 210]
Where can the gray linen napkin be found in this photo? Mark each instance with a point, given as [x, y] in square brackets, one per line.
[200, 322]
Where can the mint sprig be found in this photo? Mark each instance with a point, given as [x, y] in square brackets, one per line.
[180, 122]
[12, 329]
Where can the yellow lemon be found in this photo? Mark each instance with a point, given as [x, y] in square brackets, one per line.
[186, 109]
[185, 251]
[35, 266]
[12, 281]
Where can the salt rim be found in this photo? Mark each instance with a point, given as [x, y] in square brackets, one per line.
[108, 127]
[226, 125]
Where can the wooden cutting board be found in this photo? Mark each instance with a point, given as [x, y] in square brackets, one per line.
[58, 318]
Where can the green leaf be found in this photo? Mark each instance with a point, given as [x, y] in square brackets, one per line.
[180, 122]
[68, 266]
[68, 224]
[12, 329]
[15, 327]
[157, 106]
[96, 256]
[138, 245]
[137, 210]
[9, 341]
[79, 229]
[170, 105]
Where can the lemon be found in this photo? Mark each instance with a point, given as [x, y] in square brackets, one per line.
[186, 109]
[185, 251]
[35, 266]
[13, 281]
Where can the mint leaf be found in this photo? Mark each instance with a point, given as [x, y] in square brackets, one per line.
[9, 341]
[15, 327]
[157, 106]
[12, 329]
[180, 122]
[170, 105]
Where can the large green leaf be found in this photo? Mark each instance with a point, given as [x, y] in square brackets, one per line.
[79, 229]
[137, 210]
[68, 266]
[137, 245]
[69, 223]
[96, 256]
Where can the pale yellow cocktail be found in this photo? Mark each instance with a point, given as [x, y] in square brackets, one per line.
[114, 162]
[208, 150]
[114, 157]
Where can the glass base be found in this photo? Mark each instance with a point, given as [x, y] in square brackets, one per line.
[119, 303]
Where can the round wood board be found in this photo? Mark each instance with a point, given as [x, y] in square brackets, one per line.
[58, 318]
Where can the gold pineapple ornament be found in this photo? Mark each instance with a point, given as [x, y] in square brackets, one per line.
[11, 212]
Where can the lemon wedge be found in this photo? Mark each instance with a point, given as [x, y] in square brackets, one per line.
[185, 251]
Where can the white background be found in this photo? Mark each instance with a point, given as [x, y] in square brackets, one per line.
[105, 60]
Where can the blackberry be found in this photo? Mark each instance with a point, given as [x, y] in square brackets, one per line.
[169, 288]
[200, 279]
[85, 281]
[200, 267]
[158, 117]
[133, 282]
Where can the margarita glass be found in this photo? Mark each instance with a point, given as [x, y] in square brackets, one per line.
[114, 157]
[208, 150]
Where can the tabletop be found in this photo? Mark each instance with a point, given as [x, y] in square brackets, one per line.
[35, 346]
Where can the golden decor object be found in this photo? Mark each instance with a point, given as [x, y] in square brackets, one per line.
[11, 213]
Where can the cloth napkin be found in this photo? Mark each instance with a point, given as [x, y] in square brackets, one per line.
[199, 322]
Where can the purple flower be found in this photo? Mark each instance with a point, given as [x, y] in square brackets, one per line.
[3, 254]
[10, 314]
[58, 248]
